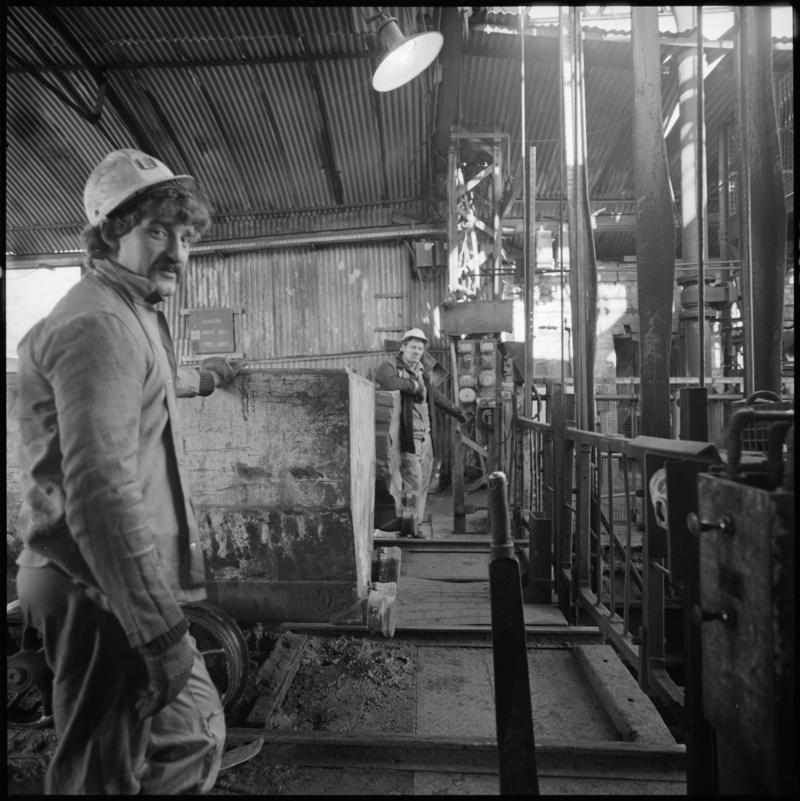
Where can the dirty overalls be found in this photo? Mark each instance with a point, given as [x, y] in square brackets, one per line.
[416, 468]
[111, 545]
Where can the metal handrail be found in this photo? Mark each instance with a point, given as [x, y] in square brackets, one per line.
[582, 507]
[614, 564]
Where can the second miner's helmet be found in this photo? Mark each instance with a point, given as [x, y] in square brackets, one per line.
[120, 176]
[414, 333]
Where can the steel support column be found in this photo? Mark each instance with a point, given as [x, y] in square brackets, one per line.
[762, 206]
[498, 168]
[530, 272]
[728, 356]
[452, 234]
[528, 186]
[694, 231]
[655, 227]
[689, 77]
[583, 268]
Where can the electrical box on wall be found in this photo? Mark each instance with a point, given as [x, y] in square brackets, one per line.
[429, 253]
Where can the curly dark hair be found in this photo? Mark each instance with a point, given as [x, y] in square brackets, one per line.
[168, 201]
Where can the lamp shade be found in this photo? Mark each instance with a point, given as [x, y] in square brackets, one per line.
[407, 57]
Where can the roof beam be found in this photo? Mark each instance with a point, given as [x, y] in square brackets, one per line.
[138, 133]
[325, 138]
[23, 67]
[452, 34]
[133, 66]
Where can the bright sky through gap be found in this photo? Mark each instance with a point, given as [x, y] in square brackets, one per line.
[30, 295]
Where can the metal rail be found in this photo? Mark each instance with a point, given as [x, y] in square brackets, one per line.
[606, 568]
[470, 754]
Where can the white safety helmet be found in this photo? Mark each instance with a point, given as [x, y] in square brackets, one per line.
[414, 333]
[121, 175]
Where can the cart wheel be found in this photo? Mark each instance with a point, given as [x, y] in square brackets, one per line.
[29, 682]
[223, 646]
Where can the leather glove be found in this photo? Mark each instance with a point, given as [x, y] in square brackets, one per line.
[223, 370]
[167, 674]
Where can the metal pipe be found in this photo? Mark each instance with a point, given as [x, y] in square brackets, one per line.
[322, 238]
[788, 470]
[224, 247]
[562, 181]
[700, 144]
[728, 353]
[526, 245]
[529, 279]
[498, 167]
[776, 440]
[514, 716]
[744, 213]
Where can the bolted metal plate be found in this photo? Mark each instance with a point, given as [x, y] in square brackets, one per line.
[738, 575]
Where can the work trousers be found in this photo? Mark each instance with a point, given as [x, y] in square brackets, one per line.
[415, 470]
[102, 746]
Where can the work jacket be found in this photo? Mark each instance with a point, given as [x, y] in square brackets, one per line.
[104, 495]
[395, 375]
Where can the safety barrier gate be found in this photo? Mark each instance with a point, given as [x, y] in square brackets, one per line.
[611, 561]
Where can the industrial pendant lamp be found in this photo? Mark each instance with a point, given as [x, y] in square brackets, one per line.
[407, 57]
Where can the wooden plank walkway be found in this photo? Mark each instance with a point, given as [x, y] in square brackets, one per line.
[423, 602]
[445, 563]
[444, 584]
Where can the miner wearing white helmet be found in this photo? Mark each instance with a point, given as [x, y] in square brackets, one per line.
[406, 374]
[111, 547]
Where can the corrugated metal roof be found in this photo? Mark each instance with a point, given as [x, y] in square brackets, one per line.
[271, 109]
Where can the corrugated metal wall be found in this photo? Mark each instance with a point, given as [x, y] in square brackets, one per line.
[327, 307]
[324, 306]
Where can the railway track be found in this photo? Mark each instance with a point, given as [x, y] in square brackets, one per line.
[426, 764]
[596, 746]
[583, 744]
[344, 710]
